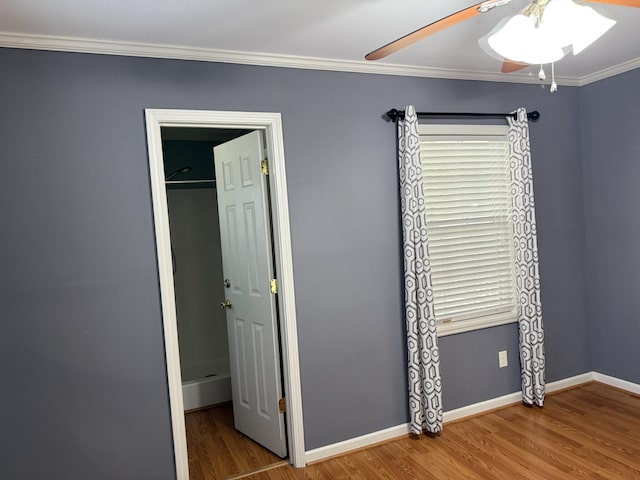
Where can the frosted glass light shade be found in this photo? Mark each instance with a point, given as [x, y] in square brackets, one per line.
[519, 40]
[570, 24]
[592, 27]
[559, 21]
[564, 24]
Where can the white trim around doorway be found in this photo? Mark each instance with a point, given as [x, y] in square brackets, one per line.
[271, 123]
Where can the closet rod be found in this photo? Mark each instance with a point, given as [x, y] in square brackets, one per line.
[186, 182]
[394, 114]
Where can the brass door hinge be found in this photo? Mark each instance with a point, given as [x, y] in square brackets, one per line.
[265, 167]
[274, 286]
[282, 405]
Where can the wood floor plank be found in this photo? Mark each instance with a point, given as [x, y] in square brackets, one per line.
[373, 466]
[577, 452]
[550, 452]
[216, 450]
[590, 432]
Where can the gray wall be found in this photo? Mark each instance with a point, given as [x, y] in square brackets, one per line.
[85, 392]
[611, 156]
[197, 259]
[198, 282]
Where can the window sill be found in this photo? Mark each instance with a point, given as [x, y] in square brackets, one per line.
[462, 326]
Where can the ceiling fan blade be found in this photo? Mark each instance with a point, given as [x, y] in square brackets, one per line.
[424, 32]
[624, 3]
[509, 66]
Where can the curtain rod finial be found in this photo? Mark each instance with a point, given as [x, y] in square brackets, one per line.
[394, 114]
[535, 115]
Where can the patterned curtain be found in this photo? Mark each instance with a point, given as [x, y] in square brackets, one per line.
[526, 253]
[425, 387]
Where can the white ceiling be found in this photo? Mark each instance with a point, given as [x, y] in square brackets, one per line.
[319, 34]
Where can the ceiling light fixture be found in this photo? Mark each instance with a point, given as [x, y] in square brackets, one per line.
[546, 30]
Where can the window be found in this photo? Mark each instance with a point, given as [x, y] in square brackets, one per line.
[468, 207]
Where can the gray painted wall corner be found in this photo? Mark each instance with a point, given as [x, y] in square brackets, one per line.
[611, 149]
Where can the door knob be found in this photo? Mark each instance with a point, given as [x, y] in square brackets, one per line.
[225, 304]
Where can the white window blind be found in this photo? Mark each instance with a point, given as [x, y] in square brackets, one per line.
[468, 208]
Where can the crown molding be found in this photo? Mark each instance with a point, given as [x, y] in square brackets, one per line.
[133, 49]
[610, 72]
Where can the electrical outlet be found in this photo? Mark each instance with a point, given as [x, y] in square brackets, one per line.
[502, 359]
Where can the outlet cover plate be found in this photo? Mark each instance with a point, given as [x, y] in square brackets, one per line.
[502, 359]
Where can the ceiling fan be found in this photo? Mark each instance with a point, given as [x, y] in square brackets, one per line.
[542, 32]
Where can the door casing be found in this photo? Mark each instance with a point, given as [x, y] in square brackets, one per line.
[271, 123]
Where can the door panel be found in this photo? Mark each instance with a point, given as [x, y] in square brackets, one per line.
[248, 265]
[240, 351]
[230, 241]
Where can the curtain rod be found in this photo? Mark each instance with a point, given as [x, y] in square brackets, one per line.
[394, 114]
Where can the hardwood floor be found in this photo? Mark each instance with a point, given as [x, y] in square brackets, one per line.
[590, 432]
[217, 450]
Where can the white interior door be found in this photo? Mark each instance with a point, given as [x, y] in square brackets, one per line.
[251, 307]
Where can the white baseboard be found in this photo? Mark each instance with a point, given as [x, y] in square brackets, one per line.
[355, 443]
[467, 411]
[512, 398]
[616, 382]
[569, 382]
[480, 407]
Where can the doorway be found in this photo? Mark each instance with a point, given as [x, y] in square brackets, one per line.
[269, 125]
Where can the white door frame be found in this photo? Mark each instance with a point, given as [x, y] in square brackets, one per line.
[271, 123]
